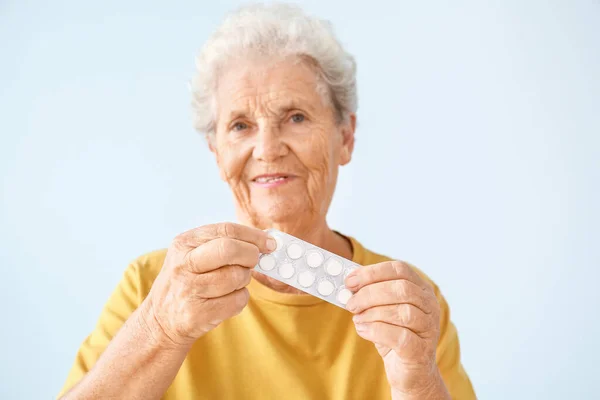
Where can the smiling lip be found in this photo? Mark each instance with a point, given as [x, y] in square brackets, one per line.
[272, 180]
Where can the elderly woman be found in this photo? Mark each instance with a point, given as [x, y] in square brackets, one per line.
[275, 95]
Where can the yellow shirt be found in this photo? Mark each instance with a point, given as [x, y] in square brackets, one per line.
[281, 346]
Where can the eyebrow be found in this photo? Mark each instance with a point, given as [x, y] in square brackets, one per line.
[287, 106]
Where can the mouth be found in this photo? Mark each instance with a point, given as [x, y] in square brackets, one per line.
[272, 180]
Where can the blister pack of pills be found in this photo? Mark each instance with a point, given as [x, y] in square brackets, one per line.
[307, 267]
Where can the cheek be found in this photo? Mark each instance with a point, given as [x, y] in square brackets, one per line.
[232, 159]
[317, 154]
[318, 151]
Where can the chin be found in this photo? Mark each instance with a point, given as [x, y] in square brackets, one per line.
[280, 210]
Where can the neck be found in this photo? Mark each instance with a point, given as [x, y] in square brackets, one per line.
[316, 232]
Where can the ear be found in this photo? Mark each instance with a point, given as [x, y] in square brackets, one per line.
[212, 146]
[348, 129]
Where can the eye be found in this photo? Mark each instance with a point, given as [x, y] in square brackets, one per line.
[297, 118]
[239, 126]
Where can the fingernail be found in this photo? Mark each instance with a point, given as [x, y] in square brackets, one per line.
[271, 244]
[352, 280]
[357, 318]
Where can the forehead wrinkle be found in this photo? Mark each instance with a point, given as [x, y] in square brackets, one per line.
[269, 101]
[254, 93]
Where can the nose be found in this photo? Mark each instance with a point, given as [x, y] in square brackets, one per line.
[269, 144]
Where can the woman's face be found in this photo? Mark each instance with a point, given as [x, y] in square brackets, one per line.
[278, 143]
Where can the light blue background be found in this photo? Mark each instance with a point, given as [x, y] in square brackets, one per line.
[477, 160]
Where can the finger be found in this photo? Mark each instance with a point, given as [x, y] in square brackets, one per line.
[221, 252]
[221, 308]
[389, 293]
[405, 315]
[402, 340]
[195, 237]
[384, 271]
[221, 281]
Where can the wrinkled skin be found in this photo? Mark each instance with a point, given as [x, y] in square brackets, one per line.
[272, 119]
[257, 134]
[398, 311]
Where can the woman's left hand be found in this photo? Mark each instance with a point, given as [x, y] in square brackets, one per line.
[398, 311]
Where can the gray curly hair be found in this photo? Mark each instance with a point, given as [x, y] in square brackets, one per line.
[274, 30]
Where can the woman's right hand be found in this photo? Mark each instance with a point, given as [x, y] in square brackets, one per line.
[203, 280]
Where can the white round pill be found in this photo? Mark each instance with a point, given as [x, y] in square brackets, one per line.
[294, 251]
[314, 259]
[333, 267]
[306, 279]
[267, 262]
[325, 288]
[286, 270]
[344, 295]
